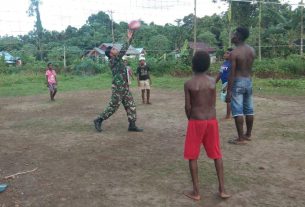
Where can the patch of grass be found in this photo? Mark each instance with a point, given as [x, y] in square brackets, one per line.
[293, 135]
[23, 84]
[169, 82]
[292, 87]
[32, 84]
[284, 131]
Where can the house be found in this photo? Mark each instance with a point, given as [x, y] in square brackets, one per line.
[205, 47]
[9, 59]
[202, 46]
[142, 51]
[100, 50]
[96, 52]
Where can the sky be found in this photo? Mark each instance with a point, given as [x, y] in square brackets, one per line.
[59, 14]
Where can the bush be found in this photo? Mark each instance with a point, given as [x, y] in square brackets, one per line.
[89, 67]
[280, 67]
[167, 66]
[294, 64]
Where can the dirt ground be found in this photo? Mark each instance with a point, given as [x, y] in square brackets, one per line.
[76, 166]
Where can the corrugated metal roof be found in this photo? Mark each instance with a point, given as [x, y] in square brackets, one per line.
[202, 46]
[8, 58]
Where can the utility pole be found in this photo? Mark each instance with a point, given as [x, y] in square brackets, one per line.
[259, 31]
[230, 20]
[302, 27]
[112, 32]
[65, 64]
[195, 28]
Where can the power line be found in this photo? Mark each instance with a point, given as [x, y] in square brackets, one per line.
[265, 2]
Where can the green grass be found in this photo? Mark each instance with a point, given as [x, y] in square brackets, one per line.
[291, 87]
[32, 84]
[23, 85]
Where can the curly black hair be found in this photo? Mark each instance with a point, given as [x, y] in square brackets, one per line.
[201, 62]
[242, 32]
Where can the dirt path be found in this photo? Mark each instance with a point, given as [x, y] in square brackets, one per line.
[79, 167]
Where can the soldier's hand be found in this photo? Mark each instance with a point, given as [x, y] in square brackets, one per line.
[129, 34]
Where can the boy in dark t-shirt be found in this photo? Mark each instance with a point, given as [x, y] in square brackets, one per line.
[144, 81]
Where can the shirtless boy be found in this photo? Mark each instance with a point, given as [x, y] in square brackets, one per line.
[200, 100]
[240, 85]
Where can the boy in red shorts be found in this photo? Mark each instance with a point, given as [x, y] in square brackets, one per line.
[200, 100]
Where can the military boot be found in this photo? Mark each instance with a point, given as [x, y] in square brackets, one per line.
[98, 124]
[133, 128]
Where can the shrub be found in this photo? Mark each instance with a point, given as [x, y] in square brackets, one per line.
[280, 67]
[294, 64]
[88, 67]
[165, 66]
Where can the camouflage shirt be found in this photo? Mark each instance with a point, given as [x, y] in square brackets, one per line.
[118, 69]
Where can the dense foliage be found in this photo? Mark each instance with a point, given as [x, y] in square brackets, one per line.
[279, 28]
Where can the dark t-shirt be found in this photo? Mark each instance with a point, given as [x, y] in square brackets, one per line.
[143, 72]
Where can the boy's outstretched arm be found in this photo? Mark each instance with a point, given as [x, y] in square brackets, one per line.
[218, 77]
[187, 102]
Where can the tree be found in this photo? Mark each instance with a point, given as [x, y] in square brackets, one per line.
[244, 14]
[211, 25]
[38, 31]
[186, 53]
[9, 43]
[207, 37]
[159, 45]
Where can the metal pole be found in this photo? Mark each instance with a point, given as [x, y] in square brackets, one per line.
[112, 32]
[195, 28]
[259, 31]
[302, 27]
[230, 24]
[65, 64]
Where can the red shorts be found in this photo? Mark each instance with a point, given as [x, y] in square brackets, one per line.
[202, 132]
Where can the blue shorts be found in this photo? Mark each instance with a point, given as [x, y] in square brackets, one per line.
[242, 97]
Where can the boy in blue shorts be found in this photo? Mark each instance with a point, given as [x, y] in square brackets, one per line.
[240, 85]
[223, 76]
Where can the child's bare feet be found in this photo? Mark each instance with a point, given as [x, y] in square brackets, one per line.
[247, 137]
[223, 195]
[237, 141]
[191, 195]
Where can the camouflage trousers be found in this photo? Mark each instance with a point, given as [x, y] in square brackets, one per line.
[120, 96]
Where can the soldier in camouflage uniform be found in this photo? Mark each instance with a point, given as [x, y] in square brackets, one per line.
[120, 88]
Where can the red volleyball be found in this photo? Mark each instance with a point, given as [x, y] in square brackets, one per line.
[134, 25]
